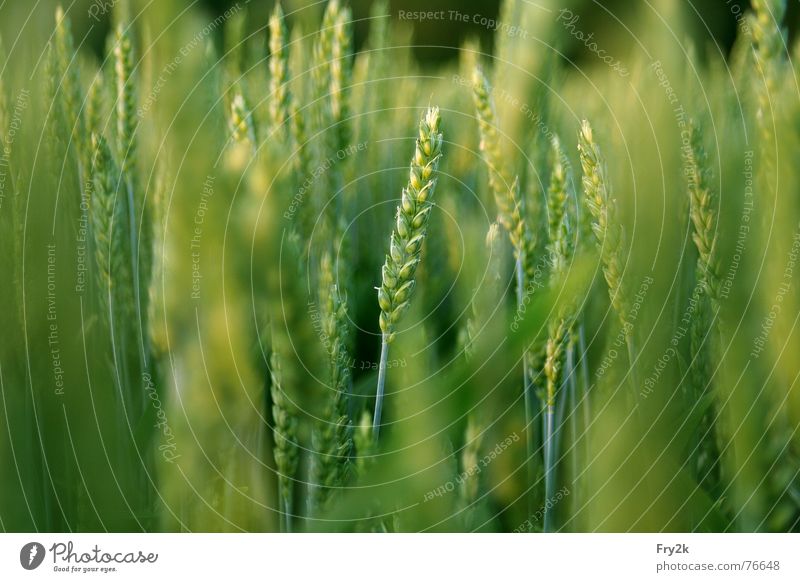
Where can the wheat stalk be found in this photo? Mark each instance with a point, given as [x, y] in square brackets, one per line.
[411, 224]
[4, 118]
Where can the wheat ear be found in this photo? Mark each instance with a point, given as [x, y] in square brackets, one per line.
[341, 67]
[280, 96]
[94, 105]
[285, 451]
[768, 43]
[411, 225]
[607, 229]
[333, 442]
[241, 122]
[126, 126]
[108, 228]
[126, 120]
[702, 212]
[323, 47]
[70, 85]
[505, 191]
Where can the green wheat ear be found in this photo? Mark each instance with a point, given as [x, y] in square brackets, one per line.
[411, 226]
[702, 210]
[125, 101]
[108, 229]
[69, 80]
[341, 75]
[284, 416]
[280, 96]
[94, 105]
[333, 442]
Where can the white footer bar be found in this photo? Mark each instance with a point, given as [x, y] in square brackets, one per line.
[400, 557]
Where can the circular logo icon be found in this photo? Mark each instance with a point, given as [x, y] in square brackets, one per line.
[31, 555]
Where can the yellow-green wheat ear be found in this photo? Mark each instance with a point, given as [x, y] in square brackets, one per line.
[323, 49]
[765, 24]
[768, 48]
[407, 238]
[506, 190]
[703, 212]
[411, 222]
[500, 179]
[280, 97]
[241, 121]
[603, 208]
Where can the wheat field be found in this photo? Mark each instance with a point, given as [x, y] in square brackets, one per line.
[294, 268]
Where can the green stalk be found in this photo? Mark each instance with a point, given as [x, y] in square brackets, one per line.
[376, 420]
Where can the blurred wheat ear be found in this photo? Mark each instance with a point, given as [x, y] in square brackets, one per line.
[608, 230]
